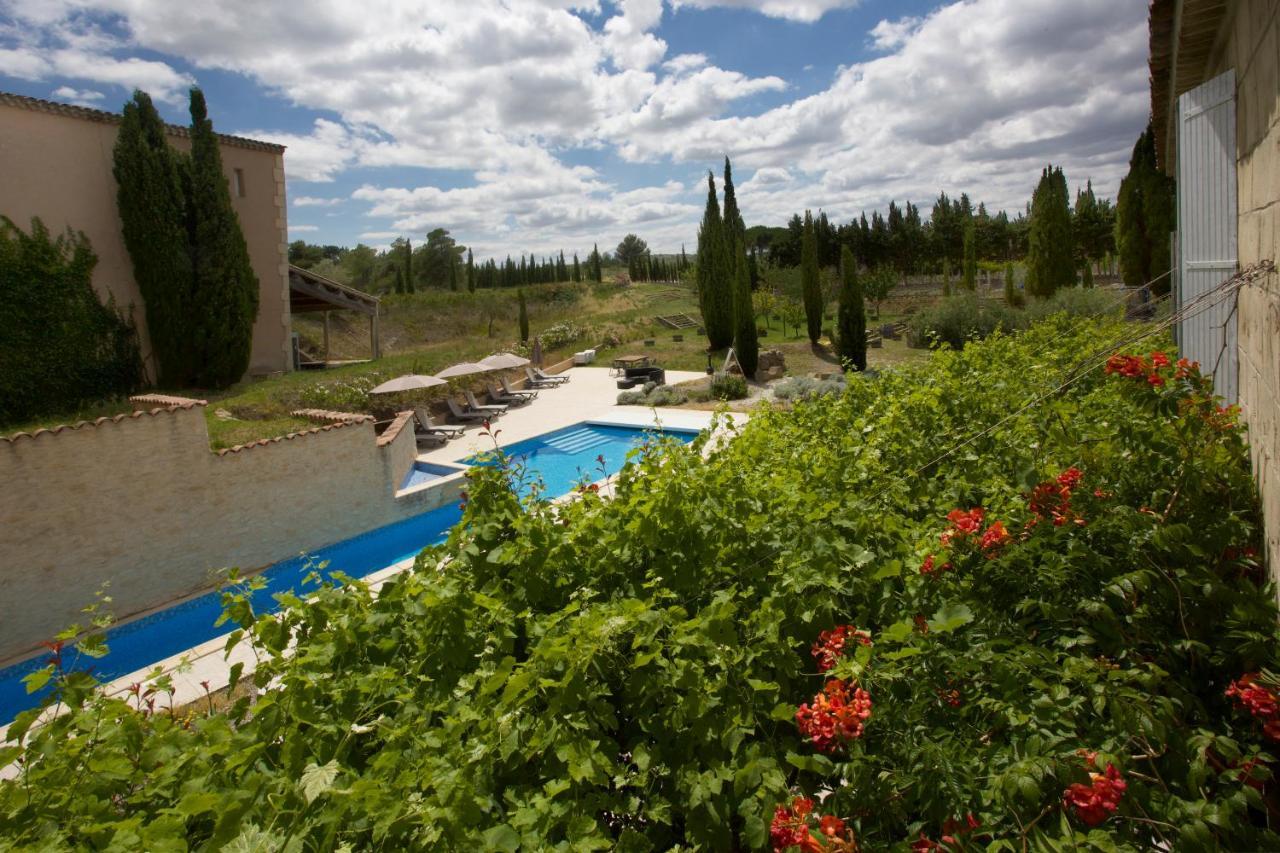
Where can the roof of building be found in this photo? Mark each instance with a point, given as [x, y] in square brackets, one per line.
[309, 291]
[1183, 38]
[9, 99]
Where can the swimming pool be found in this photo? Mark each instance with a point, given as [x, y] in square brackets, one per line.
[581, 453]
[561, 459]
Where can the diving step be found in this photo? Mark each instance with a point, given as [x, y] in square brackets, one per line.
[579, 445]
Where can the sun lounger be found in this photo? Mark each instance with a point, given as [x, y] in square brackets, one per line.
[535, 382]
[425, 426]
[465, 415]
[476, 405]
[547, 377]
[516, 392]
[497, 395]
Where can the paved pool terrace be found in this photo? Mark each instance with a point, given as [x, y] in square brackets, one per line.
[589, 396]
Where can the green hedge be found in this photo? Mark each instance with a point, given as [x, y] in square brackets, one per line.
[627, 673]
[60, 347]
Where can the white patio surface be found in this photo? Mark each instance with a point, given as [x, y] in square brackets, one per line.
[590, 395]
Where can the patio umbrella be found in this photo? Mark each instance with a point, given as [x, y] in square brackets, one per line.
[408, 382]
[504, 360]
[466, 368]
[537, 351]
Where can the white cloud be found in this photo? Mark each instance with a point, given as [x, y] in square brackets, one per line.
[303, 229]
[806, 11]
[83, 98]
[974, 96]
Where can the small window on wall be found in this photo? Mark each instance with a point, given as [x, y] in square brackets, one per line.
[237, 182]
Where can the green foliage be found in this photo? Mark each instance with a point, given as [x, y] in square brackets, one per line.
[811, 291]
[956, 320]
[728, 386]
[851, 317]
[715, 274]
[807, 387]
[1144, 218]
[653, 395]
[524, 316]
[746, 344]
[60, 347]
[1050, 253]
[735, 230]
[1076, 302]
[153, 206]
[624, 673]
[970, 257]
[561, 334]
[1012, 296]
[224, 293]
[345, 395]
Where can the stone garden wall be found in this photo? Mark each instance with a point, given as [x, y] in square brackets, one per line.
[138, 504]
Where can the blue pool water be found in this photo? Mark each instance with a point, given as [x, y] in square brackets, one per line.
[561, 459]
[570, 456]
[425, 472]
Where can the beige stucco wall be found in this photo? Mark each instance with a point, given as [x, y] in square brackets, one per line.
[58, 167]
[1250, 43]
[142, 504]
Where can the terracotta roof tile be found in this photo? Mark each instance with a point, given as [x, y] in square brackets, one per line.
[389, 434]
[89, 114]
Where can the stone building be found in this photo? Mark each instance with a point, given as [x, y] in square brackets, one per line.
[56, 163]
[1215, 100]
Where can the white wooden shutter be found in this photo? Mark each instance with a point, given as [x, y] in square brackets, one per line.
[1206, 244]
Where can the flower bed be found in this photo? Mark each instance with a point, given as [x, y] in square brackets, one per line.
[830, 634]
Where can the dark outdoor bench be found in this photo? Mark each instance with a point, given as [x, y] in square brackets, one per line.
[634, 376]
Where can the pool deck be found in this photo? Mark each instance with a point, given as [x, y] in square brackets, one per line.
[590, 395]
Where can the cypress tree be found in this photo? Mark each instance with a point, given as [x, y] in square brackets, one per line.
[1144, 218]
[399, 284]
[408, 267]
[970, 257]
[810, 288]
[153, 217]
[715, 279]
[745, 343]
[1050, 261]
[946, 277]
[453, 272]
[524, 316]
[596, 272]
[851, 317]
[734, 228]
[577, 270]
[225, 288]
[1011, 296]
[471, 272]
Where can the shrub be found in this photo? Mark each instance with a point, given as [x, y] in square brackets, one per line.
[1077, 302]
[728, 386]
[955, 320]
[560, 335]
[806, 387]
[653, 395]
[1057, 637]
[60, 347]
[346, 395]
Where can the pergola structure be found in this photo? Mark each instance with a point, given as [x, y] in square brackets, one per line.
[309, 292]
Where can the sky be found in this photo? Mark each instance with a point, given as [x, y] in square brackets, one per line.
[547, 125]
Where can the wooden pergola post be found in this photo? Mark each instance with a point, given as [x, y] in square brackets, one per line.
[373, 334]
[326, 336]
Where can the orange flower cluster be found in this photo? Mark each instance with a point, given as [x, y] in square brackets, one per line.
[835, 716]
[1097, 801]
[1258, 700]
[1052, 500]
[952, 829]
[965, 529]
[833, 644]
[791, 829]
[1138, 367]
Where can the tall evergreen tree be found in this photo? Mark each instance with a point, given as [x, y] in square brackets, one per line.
[409, 286]
[398, 287]
[1050, 257]
[715, 274]
[524, 316]
[577, 270]
[224, 286]
[1144, 218]
[1011, 296]
[970, 257]
[851, 317]
[153, 218]
[471, 272]
[453, 273]
[734, 228]
[746, 344]
[810, 288]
